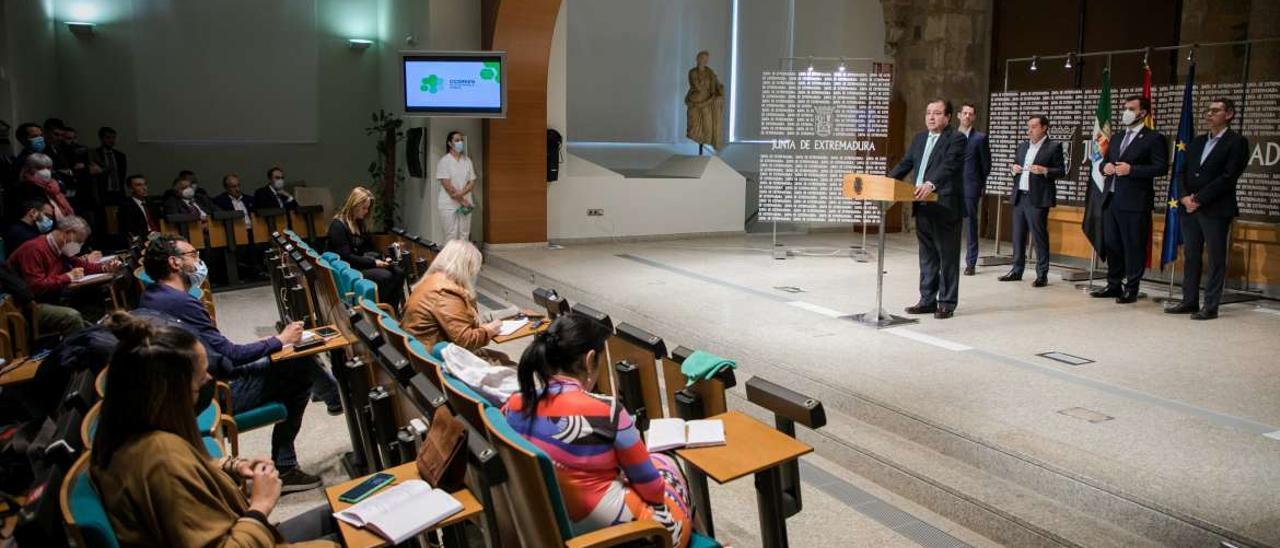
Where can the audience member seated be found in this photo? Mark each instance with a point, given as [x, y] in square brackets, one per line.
[136, 217]
[175, 266]
[50, 319]
[109, 166]
[43, 262]
[158, 484]
[442, 307]
[232, 199]
[183, 201]
[36, 182]
[273, 196]
[591, 437]
[347, 238]
[36, 219]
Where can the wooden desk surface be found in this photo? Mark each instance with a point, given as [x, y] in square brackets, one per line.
[750, 446]
[353, 537]
[24, 371]
[527, 329]
[333, 343]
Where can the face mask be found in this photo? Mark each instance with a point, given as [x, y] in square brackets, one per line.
[37, 144]
[188, 193]
[71, 249]
[204, 397]
[44, 224]
[458, 146]
[44, 174]
[1129, 117]
[278, 184]
[196, 277]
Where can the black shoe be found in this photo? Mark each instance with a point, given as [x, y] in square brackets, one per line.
[295, 480]
[944, 312]
[1127, 297]
[968, 271]
[1010, 277]
[335, 409]
[922, 309]
[1206, 314]
[1183, 308]
[1040, 282]
[1105, 293]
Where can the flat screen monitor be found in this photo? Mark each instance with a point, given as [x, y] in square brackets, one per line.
[455, 83]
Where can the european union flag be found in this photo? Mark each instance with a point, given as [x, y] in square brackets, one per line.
[1172, 219]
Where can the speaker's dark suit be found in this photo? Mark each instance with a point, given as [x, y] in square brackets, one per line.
[1213, 183]
[938, 223]
[977, 166]
[1127, 227]
[1031, 207]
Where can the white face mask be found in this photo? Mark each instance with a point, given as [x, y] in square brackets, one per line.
[278, 184]
[188, 193]
[44, 174]
[71, 249]
[1129, 117]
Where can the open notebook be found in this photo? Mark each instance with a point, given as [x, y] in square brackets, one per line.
[402, 511]
[667, 434]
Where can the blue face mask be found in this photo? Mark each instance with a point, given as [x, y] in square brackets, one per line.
[458, 146]
[197, 277]
[44, 224]
[37, 144]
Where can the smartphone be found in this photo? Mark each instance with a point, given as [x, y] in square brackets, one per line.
[366, 488]
[326, 331]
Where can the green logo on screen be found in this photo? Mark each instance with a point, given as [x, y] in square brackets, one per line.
[430, 84]
[491, 71]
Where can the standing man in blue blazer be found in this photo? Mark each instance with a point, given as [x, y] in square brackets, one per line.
[977, 165]
[1136, 156]
[1035, 190]
[935, 162]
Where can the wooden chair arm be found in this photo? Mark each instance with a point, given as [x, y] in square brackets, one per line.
[643, 529]
[222, 393]
[389, 310]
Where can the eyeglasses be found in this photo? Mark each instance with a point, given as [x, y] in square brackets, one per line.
[193, 252]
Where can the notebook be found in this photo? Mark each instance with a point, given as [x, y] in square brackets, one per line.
[403, 511]
[511, 326]
[667, 434]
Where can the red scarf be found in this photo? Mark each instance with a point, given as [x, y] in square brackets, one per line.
[53, 192]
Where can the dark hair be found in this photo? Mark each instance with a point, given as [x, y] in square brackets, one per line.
[185, 174]
[34, 203]
[271, 170]
[1228, 105]
[970, 105]
[105, 131]
[559, 349]
[155, 260]
[448, 141]
[54, 123]
[150, 375]
[1143, 102]
[1044, 120]
[23, 129]
[130, 178]
[228, 177]
[179, 179]
[946, 105]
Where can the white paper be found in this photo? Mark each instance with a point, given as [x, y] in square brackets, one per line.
[511, 326]
[402, 511]
[667, 434]
[705, 433]
[90, 278]
[105, 258]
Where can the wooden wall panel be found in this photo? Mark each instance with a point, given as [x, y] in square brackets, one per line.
[515, 162]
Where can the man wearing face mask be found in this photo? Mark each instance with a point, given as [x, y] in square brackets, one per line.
[1137, 156]
[176, 267]
[182, 201]
[273, 196]
[51, 263]
[36, 219]
[31, 138]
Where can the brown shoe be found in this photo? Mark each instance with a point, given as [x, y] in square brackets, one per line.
[944, 312]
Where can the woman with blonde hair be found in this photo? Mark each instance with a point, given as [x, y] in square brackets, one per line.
[442, 307]
[348, 239]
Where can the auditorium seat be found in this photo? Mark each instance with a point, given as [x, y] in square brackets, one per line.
[82, 508]
[233, 423]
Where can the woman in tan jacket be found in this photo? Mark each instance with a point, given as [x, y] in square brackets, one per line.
[157, 483]
[442, 307]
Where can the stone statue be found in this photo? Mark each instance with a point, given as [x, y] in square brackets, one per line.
[705, 104]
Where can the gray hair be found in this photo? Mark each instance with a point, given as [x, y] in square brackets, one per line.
[72, 223]
[459, 261]
[39, 161]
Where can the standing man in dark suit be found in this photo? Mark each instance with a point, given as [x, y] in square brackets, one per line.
[1035, 190]
[936, 160]
[977, 165]
[1206, 205]
[1136, 156]
[273, 196]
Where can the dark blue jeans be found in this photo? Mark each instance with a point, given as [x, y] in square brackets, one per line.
[288, 383]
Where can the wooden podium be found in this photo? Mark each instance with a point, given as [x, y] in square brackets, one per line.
[884, 191]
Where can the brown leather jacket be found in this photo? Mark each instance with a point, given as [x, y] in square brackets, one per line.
[440, 310]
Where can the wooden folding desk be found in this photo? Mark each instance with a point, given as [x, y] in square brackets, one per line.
[353, 537]
[333, 343]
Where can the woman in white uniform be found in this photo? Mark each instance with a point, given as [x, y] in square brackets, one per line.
[457, 179]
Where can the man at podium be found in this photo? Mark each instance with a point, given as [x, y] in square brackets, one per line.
[935, 162]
